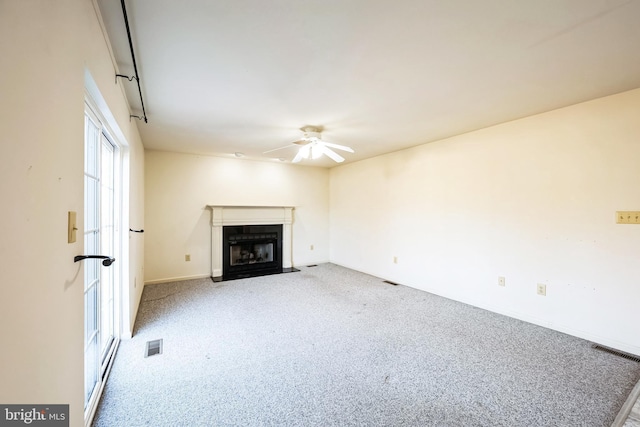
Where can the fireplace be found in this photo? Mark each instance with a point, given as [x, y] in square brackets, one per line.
[250, 240]
[251, 250]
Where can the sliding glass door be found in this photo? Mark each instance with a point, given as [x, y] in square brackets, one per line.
[100, 227]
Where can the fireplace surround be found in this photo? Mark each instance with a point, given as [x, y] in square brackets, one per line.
[250, 240]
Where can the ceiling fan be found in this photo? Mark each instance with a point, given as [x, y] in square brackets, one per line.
[312, 146]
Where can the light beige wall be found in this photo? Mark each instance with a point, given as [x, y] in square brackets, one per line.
[532, 200]
[136, 240]
[45, 48]
[180, 186]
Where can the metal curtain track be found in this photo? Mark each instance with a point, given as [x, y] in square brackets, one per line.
[135, 65]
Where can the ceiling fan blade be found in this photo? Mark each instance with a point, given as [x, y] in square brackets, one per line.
[339, 147]
[276, 149]
[297, 158]
[332, 154]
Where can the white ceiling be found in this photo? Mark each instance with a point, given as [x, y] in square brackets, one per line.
[227, 76]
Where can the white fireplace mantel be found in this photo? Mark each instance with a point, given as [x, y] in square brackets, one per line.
[249, 215]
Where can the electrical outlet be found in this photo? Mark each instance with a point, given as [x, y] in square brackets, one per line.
[395, 259]
[501, 281]
[187, 257]
[311, 247]
[542, 289]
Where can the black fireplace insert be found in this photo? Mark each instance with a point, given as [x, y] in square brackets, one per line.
[251, 250]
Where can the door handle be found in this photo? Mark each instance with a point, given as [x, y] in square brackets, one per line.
[107, 259]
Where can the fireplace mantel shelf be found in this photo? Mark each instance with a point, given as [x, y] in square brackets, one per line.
[249, 215]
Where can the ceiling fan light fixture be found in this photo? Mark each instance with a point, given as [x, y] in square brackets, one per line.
[312, 146]
[305, 151]
[316, 151]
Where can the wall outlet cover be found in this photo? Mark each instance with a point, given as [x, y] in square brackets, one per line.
[542, 289]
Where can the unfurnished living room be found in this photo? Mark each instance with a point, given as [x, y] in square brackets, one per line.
[320, 213]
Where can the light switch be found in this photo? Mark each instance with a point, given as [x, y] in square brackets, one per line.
[628, 217]
[72, 228]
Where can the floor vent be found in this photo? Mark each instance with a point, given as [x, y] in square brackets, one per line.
[616, 352]
[390, 282]
[153, 347]
[312, 265]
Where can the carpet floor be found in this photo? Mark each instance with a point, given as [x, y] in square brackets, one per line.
[328, 346]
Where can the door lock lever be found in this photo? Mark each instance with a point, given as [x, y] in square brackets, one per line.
[107, 259]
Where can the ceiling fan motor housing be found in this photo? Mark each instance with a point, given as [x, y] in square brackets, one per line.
[311, 133]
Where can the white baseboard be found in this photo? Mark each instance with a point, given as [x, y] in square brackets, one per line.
[545, 323]
[308, 262]
[176, 279]
[569, 330]
[566, 329]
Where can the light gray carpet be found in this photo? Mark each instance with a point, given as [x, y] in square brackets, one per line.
[328, 346]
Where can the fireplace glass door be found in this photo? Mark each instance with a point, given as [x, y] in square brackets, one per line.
[251, 253]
